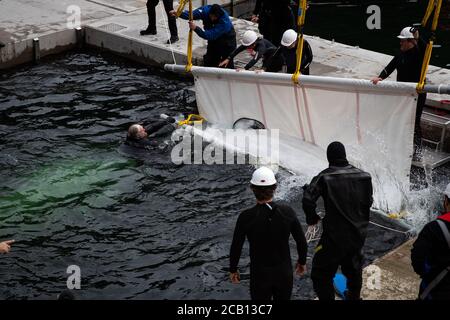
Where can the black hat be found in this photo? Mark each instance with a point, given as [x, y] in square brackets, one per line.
[336, 154]
[216, 10]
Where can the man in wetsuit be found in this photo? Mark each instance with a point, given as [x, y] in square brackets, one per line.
[151, 11]
[259, 49]
[273, 18]
[2, 45]
[408, 63]
[347, 195]
[140, 137]
[289, 52]
[430, 256]
[218, 30]
[268, 226]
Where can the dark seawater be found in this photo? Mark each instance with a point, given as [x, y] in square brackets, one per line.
[138, 226]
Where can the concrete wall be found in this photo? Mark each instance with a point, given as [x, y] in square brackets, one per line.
[132, 48]
[19, 52]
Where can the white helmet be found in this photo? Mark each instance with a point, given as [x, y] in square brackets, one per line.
[406, 33]
[249, 38]
[447, 191]
[263, 177]
[289, 37]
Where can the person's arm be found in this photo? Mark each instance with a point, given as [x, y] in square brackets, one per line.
[214, 33]
[236, 51]
[163, 131]
[237, 244]
[300, 240]
[197, 14]
[311, 194]
[307, 55]
[258, 55]
[370, 193]
[161, 127]
[389, 68]
[420, 250]
[155, 126]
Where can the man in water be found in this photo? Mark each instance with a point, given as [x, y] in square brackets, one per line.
[268, 226]
[5, 246]
[408, 63]
[218, 30]
[347, 195]
[151, 29]
[140, 137]
[289, 52]
[2, 45]
[430, 256]
[259, 48]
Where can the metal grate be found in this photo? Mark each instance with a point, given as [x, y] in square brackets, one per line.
[112, 27]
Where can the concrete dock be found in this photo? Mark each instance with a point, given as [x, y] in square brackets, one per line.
[392, 277]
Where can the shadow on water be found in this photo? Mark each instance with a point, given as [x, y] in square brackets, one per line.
[138, 227]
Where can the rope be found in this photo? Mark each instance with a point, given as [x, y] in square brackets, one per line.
[300, 24]
[313, 232]
[191, 119]
[181, 7]
[168, 34]
[390, 229]
[189, 47]
[426, 60]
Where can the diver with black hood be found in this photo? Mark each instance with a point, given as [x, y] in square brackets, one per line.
[347, 194]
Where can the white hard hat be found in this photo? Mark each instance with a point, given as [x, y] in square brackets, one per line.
[263, 177]
[249, 38]
[447, 191]
[289, 37]
[406, 33]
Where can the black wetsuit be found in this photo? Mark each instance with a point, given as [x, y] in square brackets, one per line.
[430, 255]
[157, 129]
[151, 11]
[409, 66]
[290, 58]
[347, 194]
[275, 17]
[268, 228]
[272, 59]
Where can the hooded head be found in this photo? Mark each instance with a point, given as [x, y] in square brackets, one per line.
[336, 155]
[215, 13]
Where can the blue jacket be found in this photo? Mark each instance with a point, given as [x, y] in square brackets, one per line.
[212, 31]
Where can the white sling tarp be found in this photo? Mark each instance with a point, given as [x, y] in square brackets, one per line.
[374, 122]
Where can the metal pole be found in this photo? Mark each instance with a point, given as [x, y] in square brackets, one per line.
[330, 82]
[80, 37]
[36, 50]
[231, 7]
